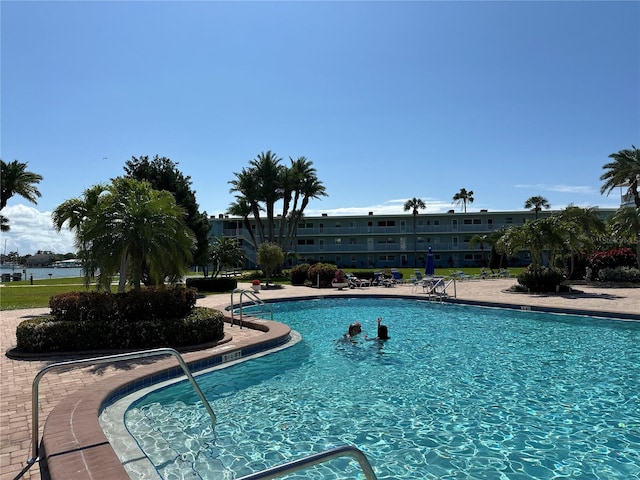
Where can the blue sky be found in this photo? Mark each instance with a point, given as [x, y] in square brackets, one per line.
[389, 100]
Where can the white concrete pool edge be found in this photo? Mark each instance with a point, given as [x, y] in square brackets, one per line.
[125, 446]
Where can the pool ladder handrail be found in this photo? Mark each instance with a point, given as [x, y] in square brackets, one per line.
[255, 300]
[97, 360]
[300, 464]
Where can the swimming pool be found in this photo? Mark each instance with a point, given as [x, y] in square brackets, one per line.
[457, 392]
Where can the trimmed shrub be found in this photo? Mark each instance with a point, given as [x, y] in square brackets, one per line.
[299, 274]
[540, 280]
[48, 334]
[619, 275]
[132, 306]
[213, 284]
[325, 271]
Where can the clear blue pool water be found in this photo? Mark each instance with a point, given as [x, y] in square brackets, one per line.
[457, 392]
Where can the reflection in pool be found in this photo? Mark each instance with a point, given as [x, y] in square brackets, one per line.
[457, 392]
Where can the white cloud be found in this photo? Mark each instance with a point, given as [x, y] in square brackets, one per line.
[32, 230]
[580, 189]
[390, 207]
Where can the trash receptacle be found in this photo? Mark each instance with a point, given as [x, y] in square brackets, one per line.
[17, 277]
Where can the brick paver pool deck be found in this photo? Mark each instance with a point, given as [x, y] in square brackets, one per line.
[75, 393]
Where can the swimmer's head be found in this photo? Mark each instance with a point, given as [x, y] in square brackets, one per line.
[355, 328]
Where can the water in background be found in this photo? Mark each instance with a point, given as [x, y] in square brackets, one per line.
[43, 273]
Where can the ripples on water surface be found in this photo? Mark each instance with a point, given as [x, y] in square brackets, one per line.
[458, 392]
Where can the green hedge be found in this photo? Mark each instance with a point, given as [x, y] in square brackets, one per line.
[541, 280]
[132, 306]
[49, 334]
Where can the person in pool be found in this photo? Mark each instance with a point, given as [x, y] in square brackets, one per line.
[354, 329]
[383, 332]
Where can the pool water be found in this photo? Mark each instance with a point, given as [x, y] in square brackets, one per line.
[457, 392]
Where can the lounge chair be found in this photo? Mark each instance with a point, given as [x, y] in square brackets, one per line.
[355, 282]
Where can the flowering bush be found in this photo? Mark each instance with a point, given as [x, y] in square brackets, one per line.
[619, 257]
[339, 277]
[255, 282]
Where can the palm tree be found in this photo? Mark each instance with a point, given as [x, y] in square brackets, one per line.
[481, 240]
[268, 172]
[308, 186]
[624, 170]
[580, 228]
[74, 212]
[414, 205]
[242, 208]
[536, 204]
[266, 182]
[625, 224]
[247, 189]
[128, 228]
[463, 197]
[16, 180]
[225, 251]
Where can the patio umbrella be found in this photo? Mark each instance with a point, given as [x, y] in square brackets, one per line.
[429, 268]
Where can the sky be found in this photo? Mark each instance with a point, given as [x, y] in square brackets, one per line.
[389, 100]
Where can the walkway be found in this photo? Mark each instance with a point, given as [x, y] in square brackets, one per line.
[16, 376]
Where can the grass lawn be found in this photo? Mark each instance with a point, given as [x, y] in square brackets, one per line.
[18, 295]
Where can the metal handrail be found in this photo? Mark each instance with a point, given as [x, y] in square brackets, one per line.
[96, 360]
[294, 466]
[254, 298]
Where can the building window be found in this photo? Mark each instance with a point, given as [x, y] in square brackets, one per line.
[338, 241]
[306, 241]
[436, 222]
[477, 221]
[352, 241]
[338, 224]
[509, 220]
[387, 240]
[386, 223]
[467, 221]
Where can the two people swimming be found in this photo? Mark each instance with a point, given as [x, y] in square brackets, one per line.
[355, 329]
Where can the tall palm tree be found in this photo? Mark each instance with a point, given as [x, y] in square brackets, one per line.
[242, 208]
[414, 205]
[247, 189]
[266, 182]
[463, 197]
[268, 172]
[625, 224]
[624, 170]
[537, 203]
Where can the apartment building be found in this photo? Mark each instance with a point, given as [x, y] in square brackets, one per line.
[379, 241]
